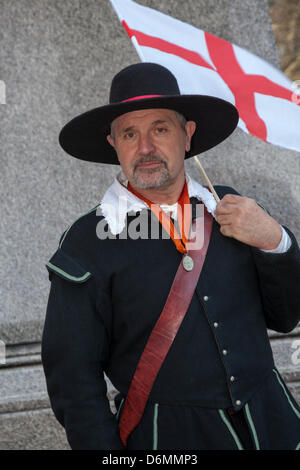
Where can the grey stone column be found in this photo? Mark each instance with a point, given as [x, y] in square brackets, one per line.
[57, 60]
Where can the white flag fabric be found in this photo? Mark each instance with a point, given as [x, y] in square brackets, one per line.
[267, 101]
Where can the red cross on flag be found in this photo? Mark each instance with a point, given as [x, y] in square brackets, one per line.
[267, 101]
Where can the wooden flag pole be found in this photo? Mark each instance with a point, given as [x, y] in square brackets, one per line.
[206, 179]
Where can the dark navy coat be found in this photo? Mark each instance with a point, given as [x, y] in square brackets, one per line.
[105, 298]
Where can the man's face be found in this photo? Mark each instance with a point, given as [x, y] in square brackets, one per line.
[151, 146]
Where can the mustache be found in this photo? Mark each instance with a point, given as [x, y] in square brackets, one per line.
[149, 158]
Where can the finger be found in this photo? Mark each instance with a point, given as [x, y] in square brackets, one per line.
[229, 203]
[226, 230]
[224, 219]
[232, 198]
[225, 208]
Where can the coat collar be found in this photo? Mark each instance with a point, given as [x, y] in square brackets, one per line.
[117, 202]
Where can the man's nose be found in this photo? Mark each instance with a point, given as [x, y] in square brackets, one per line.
[146, 144]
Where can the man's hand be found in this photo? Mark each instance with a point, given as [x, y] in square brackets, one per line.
[243, 219]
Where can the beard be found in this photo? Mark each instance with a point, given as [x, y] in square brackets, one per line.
[150, 178]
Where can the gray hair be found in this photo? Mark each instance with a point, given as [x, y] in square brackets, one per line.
[180, 117]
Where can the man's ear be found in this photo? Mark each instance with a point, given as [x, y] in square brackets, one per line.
[190, 128]
[110, 140]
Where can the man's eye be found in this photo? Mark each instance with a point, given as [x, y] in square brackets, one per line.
[129, 135]
[161, 130]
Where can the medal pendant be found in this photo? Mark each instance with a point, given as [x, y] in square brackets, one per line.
[188, 263]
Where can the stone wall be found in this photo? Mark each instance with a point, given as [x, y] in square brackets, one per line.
[57, 60]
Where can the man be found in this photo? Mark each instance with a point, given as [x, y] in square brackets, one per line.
[217, 386]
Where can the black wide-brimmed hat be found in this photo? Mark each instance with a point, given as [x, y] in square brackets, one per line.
[146, 86]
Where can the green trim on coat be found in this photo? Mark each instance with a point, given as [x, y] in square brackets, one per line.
[155, 429]
[232, 431]
[297, 413]
[260, 205]
[119, 410]
[251, 424]
[68, 276]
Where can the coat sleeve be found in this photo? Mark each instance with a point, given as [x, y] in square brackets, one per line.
[279, 280]
[74, 351]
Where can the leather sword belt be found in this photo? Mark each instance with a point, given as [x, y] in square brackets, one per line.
[163, 334]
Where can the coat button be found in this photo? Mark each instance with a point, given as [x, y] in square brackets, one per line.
[205, 298]
[238, 402]
[232, 378]
[224, 352]
[216, 324]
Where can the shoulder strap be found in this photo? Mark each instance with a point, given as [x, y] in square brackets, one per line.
[163, 335]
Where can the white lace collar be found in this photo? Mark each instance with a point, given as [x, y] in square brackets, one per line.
[118, 201]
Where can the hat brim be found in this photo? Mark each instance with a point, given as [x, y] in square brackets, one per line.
[84, 137]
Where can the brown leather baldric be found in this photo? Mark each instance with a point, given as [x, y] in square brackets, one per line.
[163, 335]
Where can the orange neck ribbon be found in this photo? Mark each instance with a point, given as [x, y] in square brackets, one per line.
[183, 213]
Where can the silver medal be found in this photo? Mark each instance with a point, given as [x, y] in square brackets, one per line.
[188, 263]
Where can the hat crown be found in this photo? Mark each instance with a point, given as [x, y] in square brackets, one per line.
[147, 86]
[142, 80]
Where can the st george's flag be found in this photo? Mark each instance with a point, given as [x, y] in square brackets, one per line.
[268, 102]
